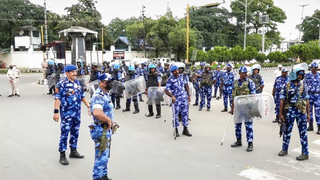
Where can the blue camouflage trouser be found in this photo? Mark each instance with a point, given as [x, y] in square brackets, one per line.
[293, 114]
[206, 91]
[100, 167]
[277, 102]
[72, 125]
[196, 87]
[249, 131]
[181, 106]
[216, 87]
[314, 101]
[227, 92]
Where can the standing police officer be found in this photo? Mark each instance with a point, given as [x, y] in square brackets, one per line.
[165, 75]
[117, 75]
[153, 80]
[257, 78]
[139, 72]
[197, 81]
[69, 95]
[243, 86]
[295, 94]
[176, 88]
[206, 87]
[228, 78]
[95, 73]
[101, 130]
[278, 85]
[313, 82]
[132, 75]
[217, 85]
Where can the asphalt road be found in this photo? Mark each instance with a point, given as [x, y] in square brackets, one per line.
[144, 148]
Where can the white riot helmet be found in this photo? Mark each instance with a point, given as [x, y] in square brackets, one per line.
[256, 66]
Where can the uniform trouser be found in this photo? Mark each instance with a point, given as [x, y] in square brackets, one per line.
[158, 109]
[227, 94]
[277, 102]
[206, 91]
[249, 131]
[115, 98]
[100, 167]
[196, 87]
[314, 101]
[135, 102]
[216, 87]
[181, 106]
[72, 125]
[293, 114]
[14, 86]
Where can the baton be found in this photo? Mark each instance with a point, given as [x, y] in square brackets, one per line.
[225, 132]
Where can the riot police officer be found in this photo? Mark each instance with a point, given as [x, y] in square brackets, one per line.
[257, 78]
[295, 101]
[165, 74]
[196, 83]
[117, 76]
[313, 83]
[228, 78]
[206, 87]
[132, 75]
[217, 85]
[106, 68]
[243, 86]
[95, 72]
[278, 85]
[80, 70]
[68, 97]
[153, 80]
[139, 72]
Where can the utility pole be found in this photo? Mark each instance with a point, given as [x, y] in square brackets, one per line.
[45, 26]
[188, 25]
[144, 31]
[264, 19]
[301, 20]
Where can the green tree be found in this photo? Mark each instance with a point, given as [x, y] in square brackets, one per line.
[219, 53]
[277, 56]
[261, 57]
[250, 53]
[117, 27]
[314, 48]
[237, 54]
[301, 51]
[310, 27]
[202, 56]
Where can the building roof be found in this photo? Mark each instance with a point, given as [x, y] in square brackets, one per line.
[78, 30]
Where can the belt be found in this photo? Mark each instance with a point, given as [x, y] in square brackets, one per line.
[101, 123]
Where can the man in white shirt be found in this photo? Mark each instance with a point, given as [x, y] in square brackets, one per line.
[13, 76]
[278, 71]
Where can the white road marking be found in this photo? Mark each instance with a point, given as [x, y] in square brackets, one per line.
[258, 174]
[298, 165]
[312, 152]
[317, 142]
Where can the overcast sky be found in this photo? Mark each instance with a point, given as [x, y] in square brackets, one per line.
[127, 8]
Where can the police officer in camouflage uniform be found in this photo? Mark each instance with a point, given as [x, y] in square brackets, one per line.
[197, 81]
[95, 72]
[278, 85]
[106, 68]
[295, 101]
[217, 85]
[313, 82]
[206, 87]
[243, 86]
[177, 88]
[257, 78]
[165, 74]
[132, 75]
[228, 78]
[101, 128]
[69, 94]
[139, 72]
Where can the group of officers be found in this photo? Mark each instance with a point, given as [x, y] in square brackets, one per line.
[294, 98]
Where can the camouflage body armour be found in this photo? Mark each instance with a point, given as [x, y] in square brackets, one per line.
[241, 90]
[164, 79]
[257, 81]
[207, 79]
[301, 105]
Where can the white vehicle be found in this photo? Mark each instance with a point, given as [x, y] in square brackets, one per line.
[198, 64]
[141, 60]
[162, 61]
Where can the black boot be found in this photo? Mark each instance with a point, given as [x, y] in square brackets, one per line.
[186, 132]
[105, 177]
[276, 120]
[250, 147]
[118, 103]
[310, 128]
[74, 154]
[318, 132]
[237, 143]
[177, 133]
[225, 109]
[150, 111]
[127, 107]
[214, 96]
[136, 108]
[195, 104]
[302, 157]
[158, 108]
[63, 160]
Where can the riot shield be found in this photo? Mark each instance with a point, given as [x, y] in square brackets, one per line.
[156, 95]
[84, 79]
[93, 86]
[52, 80]
[254, 106]
[191, 91]
[134, 87]
[117, 87]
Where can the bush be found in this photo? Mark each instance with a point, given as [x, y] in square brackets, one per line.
[3, 71]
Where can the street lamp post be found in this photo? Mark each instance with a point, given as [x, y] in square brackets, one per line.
[319, 27]
[301, 19]
[245, 21]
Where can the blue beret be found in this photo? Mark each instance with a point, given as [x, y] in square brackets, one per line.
[202, 64]
[243, 69]
[69, 68]
[314, 64]
[173, 68]
[105, 77]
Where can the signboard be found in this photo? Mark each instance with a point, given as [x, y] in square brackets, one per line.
[118, 54]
